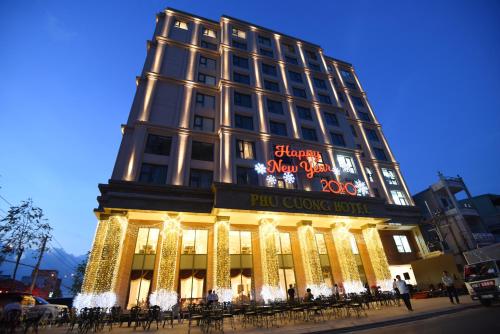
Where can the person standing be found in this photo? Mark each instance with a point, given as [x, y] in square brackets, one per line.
[404, 292]
[309, 297]
[291, 293]
[449, 284]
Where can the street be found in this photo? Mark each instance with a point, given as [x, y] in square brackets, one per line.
[478, 320]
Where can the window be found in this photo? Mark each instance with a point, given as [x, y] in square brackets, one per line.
[323, 259]
[329, 67]
[314, 67]
[239, 45]
[181, 25]
[153, 174]
[299, 92]
[346, 163]
[269, 69]
[320, 83]
[341, 96]
[380, 154]
[206, 101]
[304, 113]
[372, 135]
[324, 99]
[200, 178]
[193, 264]
[208, 63]
[353, 131]
[202, 151]
[266, 52]
[291, 60]
[398, 197]
[245, 175]
[354, 245]
[357, 256]
[364, 116]
[271, 85]
[402, 243]
[309, 134]
[351, 85]
[158, 145]
[357, 101]
[369, 173]
[209, 32]
[289, 48]
[264, 40]
[239, 33]
[311, 55]
[277, 128]
[240, 251]
[337, 139]
[275, 107]
[203, 123]
[295, 76]
[240, 61]
[243, 122]
[242, 100]
[208, 45]
[206, 79]
[285, 260]
[390, 176]
[346, 75]
[331, 119]
[245, 149]
[241, 78]
[143, 263]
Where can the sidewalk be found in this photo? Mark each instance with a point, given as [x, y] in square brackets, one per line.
[423, 308]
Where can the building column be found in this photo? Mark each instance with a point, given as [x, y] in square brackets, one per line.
[165, 294]
[377, 256]
[347, 262]
[101, 274]
[310, 259]
[222, 260]
[269, 260]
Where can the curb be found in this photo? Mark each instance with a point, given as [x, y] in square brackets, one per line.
[397, 321]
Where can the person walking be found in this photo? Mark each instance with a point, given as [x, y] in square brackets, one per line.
[291, 293]
[404, 292]
[449, 284]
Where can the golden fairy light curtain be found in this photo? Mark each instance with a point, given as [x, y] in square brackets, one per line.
[222, 260]
[377, 257]
[168, 254]
[269, 258]
[94, 257]
[111, 254]
[310, 255]
[347, 261]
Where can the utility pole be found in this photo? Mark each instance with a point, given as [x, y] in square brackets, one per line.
[37, 266]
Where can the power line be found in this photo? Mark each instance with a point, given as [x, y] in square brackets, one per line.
[61, 246]
[6, 200]
[62, 261]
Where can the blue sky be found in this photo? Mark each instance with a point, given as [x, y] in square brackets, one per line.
[431, 70]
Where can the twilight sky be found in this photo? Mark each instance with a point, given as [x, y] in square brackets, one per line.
[431, 70]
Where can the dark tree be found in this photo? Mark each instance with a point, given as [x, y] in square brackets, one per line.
[76, 286]
[24, 227]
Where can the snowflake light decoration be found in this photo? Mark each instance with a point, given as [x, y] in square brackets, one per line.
[346, 168]
[289, 178]
[361, 187]
[260, 168]
[336, 170]
[271, 180]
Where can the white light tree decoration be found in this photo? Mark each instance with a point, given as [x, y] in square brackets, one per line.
[361, 187]
[260, 168]
[289, 178]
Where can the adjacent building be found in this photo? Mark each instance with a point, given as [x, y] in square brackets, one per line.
[250, 161]
[450, 224]
[488, 207]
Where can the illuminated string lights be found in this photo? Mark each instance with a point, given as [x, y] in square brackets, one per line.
[222, 260]
[165, 295]
[269, 257]
[377, 257]
[347, 261]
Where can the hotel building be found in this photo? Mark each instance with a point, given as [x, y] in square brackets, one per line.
[250, 161]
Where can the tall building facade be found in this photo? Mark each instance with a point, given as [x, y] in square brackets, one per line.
[250, 162]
